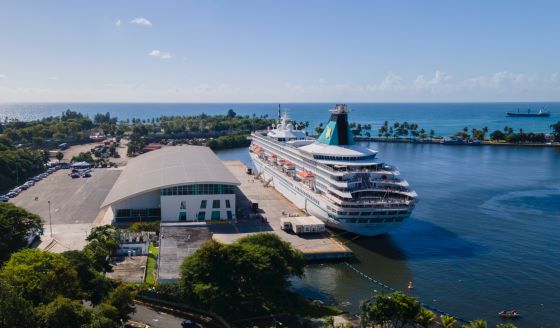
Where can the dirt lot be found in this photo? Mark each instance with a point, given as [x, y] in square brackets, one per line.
[75, 150]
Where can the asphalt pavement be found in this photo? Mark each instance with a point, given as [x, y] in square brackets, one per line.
[156, 319]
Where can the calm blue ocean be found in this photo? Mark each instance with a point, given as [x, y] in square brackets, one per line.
[444, 118]
[485, 235]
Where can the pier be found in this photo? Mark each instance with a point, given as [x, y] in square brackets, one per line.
[271, 206]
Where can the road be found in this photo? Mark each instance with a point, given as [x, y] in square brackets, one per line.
[156, 319]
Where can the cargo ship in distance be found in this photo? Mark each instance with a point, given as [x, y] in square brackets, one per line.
[540, 113]
[332, 177]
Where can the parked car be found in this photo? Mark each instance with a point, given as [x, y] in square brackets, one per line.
[4, 198]
[75, 175]
[16, 190]
[23, 187]
[30, 182]
[11, 194]
[44, 175]
[87, 174]
[38, 178]
[190, 324]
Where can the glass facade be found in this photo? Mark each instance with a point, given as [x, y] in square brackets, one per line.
[198, 189]
[216, 203]
[138, 215]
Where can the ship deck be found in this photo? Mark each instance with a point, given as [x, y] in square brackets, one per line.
[272, 205]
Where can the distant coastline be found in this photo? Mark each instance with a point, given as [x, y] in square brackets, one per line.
[451, 142]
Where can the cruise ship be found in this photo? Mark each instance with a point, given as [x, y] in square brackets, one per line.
[332, 177]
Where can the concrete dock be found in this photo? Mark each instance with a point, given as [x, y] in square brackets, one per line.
[271, 206]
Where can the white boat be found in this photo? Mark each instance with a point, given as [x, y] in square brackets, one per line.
[333, 178]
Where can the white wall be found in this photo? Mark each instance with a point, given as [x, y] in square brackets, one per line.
[170, 206]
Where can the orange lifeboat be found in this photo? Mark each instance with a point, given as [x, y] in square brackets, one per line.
[306, 175]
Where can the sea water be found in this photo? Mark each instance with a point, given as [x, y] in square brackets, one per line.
[444, 118]
[485, 235]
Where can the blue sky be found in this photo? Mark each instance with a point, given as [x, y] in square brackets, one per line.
[301, 51]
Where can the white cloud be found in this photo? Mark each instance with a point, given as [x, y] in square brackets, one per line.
[53, 78]
[3, 76]
[160, 54]
[141, 21]
[118, 23]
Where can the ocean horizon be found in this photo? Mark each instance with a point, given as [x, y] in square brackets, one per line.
[444, 118]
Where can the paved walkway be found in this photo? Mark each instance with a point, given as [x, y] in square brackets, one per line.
[273, 204]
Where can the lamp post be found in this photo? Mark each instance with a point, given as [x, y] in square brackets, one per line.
[50, 218]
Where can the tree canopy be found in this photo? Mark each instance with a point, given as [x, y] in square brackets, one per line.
[15, 226]
[41, 276]
[242, 277]
[398, 309]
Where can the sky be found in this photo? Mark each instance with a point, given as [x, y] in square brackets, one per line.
[279, 51]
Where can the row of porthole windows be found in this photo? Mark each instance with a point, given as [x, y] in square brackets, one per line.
[342, 158]
[374, 220]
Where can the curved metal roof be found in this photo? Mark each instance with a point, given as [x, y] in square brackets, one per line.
[166, 167]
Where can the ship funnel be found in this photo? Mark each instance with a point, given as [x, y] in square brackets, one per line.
[337, 132]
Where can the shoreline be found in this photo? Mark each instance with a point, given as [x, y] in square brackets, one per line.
[441, 142]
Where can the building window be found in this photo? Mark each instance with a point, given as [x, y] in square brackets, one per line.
[215, 215]
[201, 216]
[183, 205]
[228, 205]
[203, 204]
[229, 215]
[216, 203]
[182, 216]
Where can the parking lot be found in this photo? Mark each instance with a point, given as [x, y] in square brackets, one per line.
[74, 205]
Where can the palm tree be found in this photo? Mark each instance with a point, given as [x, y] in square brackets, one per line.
[448, 321]
[476, 324]
[506, 325]
[425, 318]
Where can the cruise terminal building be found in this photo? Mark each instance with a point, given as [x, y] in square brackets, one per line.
[174, 184]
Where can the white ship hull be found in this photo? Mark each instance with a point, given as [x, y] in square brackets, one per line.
[296, 193]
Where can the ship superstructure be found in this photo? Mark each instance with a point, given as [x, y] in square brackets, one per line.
[332, 177]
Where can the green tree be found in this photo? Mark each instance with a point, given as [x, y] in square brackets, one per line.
[497, 135]
[122, 299]
[40, 276]
[476, 324]
[103, 242]
[398, 309]
[59, 156]
[94, 285]
[425, 318]
[14, 309]
[241, 278]
[506, 325]
[63, 312]
[16, 224]
[556, 131]
[448, 321]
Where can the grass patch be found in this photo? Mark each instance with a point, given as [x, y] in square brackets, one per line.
[151, 264]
